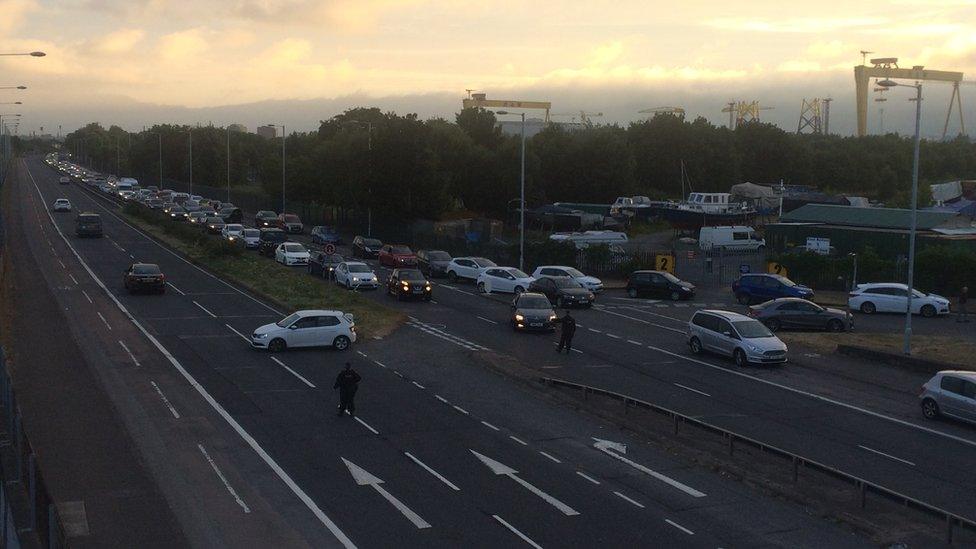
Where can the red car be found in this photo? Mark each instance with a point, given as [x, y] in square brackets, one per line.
[290, 223]
[397, 255]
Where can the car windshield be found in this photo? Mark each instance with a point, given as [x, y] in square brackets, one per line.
[251, 232]
[234, 227]
[564, 282]
[412, 274]
[265, 213]
[284, 322]
[275, 236]
[439, 256]
[294, 248]
[334, 258]
[291, 218]
[359, 268]
[372, 242]
[671, 278]
[751, 329]
[400, 250]
[574, 273]
[482, 262]
[534, 302]
[517, 273]
[145, 269]
[214, 220]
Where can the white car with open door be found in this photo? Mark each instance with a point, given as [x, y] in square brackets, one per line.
[310, 328]
[355, 274]
[893, 298]
[504, 279]
[291, 253]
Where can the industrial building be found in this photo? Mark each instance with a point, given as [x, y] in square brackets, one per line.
[267, 132]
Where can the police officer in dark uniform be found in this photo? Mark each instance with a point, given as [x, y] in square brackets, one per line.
[347, 382]
[566, 334]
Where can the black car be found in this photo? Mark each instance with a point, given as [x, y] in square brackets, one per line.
[214, 225]
[177, 213]
[364, 247]
[144, 277]
[563, 291]
[794, 312]
[323, 264]
[265, 218]
[532, 312]
[270, 238]
[88, 224]
[407, 283]
[231, 215]
[323, 234]
[658, 284]
[433, 262]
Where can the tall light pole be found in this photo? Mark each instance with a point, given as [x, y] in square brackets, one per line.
[6, 149]
[12, 103]
[30, 53]
[13, 87]
[888, 83]
[228, 163]
[369, 148]
[282, 126]
[190, 133]
[522, 199]
[160, 136]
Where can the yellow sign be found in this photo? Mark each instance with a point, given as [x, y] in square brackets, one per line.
[776, 268]
[664, 263]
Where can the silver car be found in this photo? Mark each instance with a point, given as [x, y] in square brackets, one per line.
[731, 334]
[950, 393]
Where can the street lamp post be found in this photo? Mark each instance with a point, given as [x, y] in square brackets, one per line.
[30, 53]
[888, 83]
[369, 148]
[13, 87]
[6, 148]
[228, 163]
[12, 103]
[522, 195]
[160, 136]
[282, 126]
[190, 133]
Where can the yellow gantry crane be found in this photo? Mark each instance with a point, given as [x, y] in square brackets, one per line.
[743, 111]
[475, 100]
[673, 111]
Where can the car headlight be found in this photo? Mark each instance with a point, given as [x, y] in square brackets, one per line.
[260, 336]
[374, 279]
[406, 286]
[355, 279]
[428, 287]
[552, 318]
[519, 318]
[755, 349]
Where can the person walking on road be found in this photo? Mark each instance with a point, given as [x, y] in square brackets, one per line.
[568, 324]
[962, 315]
[347, 382]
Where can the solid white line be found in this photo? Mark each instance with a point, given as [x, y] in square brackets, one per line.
[244, 337]
[103, 320]
[224, 479]
[172, 410]
[442, 399]
[293, 372]
[594, 330]
[73, 279]
[613, 336]
[132, 356]
[179, 291]
[248, 439]
[487, 320]
[692, 390]
[490, 426]
[520, 441]
[680, 527]
[433, 472]
[889, 456]
[516, 532]
[204, 309]
[380, 364]
[550, 456]
[62, 264]
[632, 342]
[587, 477]
[628, 499]
[366, 425]
[460, 409]
[419, 386]
[88, 297]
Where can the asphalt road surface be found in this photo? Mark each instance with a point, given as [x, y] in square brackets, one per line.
[442, 452]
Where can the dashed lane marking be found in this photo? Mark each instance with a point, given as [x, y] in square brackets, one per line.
[366, 425]
[550, 456]
[520, 441]
[488, 320]
[442, 399]
[177, 290]
[204, 309]
[244, 337]
[594, 330]
[587, 477]
[437, 475]
[88, 297]
[490, 426]
[615, 336]
[132, 356]
[419, 386]
[512, 529]
[460, 409]
[686, 388]
[632, 342]
[103, 320]
[380, 364]
[172, 410]
[679, 527]
[73, 279]
[63, 266]
[223, 479]
[293, 372]
[362, 354]
[625, 498]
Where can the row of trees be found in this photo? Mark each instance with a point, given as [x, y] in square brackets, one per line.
[404, 168]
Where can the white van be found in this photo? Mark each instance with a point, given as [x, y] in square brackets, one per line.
[736, 237]
[591, 238]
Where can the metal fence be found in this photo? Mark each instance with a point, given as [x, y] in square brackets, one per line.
[40, 517]
[863, 486]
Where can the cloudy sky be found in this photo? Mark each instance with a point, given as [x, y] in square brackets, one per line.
[137, 62]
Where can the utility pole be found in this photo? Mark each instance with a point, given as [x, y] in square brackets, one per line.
[228, 163]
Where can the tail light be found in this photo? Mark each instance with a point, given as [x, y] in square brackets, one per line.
[162, 276]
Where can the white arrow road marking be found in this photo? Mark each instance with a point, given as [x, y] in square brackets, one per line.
[364, 478]
[516, 532]
[611, 448]
[502, 469]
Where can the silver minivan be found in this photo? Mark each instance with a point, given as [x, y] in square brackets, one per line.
[950, 393]
[731, 334]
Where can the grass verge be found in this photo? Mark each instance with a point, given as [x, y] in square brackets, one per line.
[291, 287]
[938, 348]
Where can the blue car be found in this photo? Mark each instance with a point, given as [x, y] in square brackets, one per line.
[322, 234]
[759, 288]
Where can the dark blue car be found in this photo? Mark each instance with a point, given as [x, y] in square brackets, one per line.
[759, 288]
[322, 234]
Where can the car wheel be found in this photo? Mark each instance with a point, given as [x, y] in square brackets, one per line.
[740, 358]
[341, 343]
[452, 276]
[632, 292]
[519, 290]
[930, 409]
[481, 288]
[675, 296]
[696, 346]
[835, 326]
[743, 299]
[277, 345]
[928, 311]
[868, 308]
[773, 325]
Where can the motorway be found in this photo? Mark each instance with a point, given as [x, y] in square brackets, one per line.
[442, 452]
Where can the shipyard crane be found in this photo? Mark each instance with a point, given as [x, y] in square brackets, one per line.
[678, 112]
[584, 117]
[480, 100]
[743, 111]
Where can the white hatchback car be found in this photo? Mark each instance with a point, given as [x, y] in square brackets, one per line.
[893, 298]
[61, 205]
[504, 279]
[311, 328]
[232, 231]
[467, 267]
[731, 334]
[591, 283]
[355, 275]
[291, 253]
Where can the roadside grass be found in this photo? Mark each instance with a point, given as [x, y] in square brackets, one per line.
[292, 287]
[939, 348]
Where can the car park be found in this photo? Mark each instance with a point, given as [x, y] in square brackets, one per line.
[355, 275]
[950, 393]
[269, 240]
[469, 268]
[291, 253]
[61, 205]
[141, 277]
[562, 291]
[591, 283]
[323, 264]
[726, 333]
[793, 312]
[310, 328]
[531, 311]
[265, 218]
[250, 238]
[893, 298]
[396, 255]
[214, 225]
[322, 234]
[433, 262]
[232, 231]
[503, 279]
[365, 248]
[290, 223]
[409, 283]
[659, 284]
[88, 224]
[757, 288]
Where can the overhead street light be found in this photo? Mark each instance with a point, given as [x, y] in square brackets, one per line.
[31, 53]
[13, 87]
[522, 199]
[369, 147]
[12, 103]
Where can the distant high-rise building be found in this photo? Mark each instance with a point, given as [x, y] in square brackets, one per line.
[268, 132]
[241, 128]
